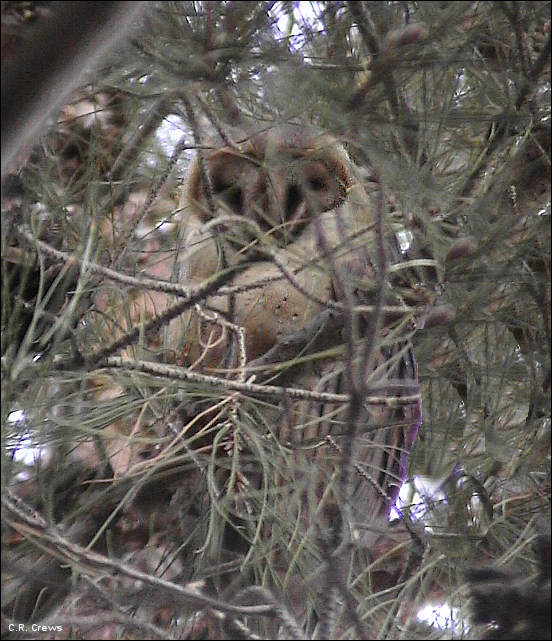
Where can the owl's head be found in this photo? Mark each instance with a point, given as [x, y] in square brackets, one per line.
[279, 179]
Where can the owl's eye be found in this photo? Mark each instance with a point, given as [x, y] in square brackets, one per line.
[232, 195]
[234, 199]
[293, 200]
[317, 183]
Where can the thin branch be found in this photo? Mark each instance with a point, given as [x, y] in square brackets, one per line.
[369, 37]
[356, 384]
[205, 177]
[87, 266]
[186, 292]
[213, 119]
[151, 121]
[181, 374]
[89, 562]
[179, 149]
[151, 327]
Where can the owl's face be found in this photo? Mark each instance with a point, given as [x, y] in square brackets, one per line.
[284, 201]
[279, 179]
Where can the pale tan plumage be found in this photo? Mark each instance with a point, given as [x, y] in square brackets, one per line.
[290, 198]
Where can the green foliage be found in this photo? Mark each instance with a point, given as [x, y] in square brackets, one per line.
[447, 105]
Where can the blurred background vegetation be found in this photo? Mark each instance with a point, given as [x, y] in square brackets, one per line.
[450, 103]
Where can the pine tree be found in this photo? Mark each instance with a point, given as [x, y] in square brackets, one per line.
[118, 521]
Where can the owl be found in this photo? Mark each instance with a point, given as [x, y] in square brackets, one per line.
[286, 209]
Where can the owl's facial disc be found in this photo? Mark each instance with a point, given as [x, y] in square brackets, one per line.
[280, 197]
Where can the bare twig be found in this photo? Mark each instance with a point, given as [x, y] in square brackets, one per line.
[90, 562]
[182, 146]
[369, 37]
[87, 266]
[356, 385]
[156, 114]
[181, 374]
[152, 326]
